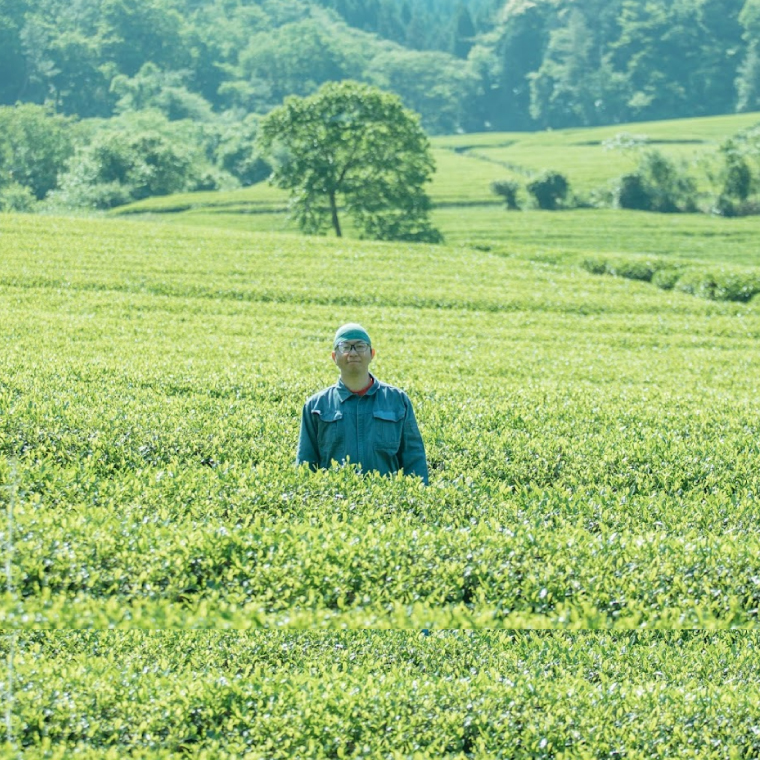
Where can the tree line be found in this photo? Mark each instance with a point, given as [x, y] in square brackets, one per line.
[468, 65]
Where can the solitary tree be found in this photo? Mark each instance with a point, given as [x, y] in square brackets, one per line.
[353, 147]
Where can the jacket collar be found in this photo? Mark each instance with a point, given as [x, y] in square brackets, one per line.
[345, 392]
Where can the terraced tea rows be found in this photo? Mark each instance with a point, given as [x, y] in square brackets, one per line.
[593, 441]
[452, 694]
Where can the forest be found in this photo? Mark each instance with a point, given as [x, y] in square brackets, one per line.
[105, 103]
[463, 65]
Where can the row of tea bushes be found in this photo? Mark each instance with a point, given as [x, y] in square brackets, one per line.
[450, 694]
[715, 282]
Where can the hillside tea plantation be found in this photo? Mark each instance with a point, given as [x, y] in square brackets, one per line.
[594, 442]
[390, 694]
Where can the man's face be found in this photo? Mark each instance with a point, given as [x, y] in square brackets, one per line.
[353, 357]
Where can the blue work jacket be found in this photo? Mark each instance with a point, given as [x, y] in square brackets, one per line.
[377, 431]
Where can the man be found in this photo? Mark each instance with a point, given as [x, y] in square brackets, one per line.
[360, 420]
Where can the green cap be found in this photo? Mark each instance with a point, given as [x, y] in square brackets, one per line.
[351, 331]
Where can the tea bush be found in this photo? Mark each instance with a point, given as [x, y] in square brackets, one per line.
[721, 283]
[453, 694]
[593, 443]
[549, 189]
[631, 267]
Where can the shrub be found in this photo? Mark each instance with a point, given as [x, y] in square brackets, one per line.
[595, 265]
[35, 144]
[720, 285]
[121, 165]
[738, 182]
[15, 197]
[548, 189]
[724, 206]
[666, 278]
[630, 267]
[658, 184]
[507, 189]
[632, 193]
[633, 269]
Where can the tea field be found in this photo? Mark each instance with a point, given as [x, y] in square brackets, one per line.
[394, 694]
[594, 448]
[467, 211]
[593, 441]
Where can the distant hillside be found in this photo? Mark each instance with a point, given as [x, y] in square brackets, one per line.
[464, 66]
[466, 165]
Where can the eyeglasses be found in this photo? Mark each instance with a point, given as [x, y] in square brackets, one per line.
[345, 348]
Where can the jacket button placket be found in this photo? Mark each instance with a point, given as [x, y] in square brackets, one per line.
[361, 435]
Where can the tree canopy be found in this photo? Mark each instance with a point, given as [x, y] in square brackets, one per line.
[352, 147]
[467, 65]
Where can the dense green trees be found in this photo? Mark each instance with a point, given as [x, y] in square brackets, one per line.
[461, 64]
[34, 146]
[353, 147]
[748, 79]
[592, 62]
[144, 154]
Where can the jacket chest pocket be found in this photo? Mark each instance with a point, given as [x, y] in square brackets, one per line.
[330, 428]
[388, 426]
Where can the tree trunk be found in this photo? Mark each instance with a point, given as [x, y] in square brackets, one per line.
[334, 212]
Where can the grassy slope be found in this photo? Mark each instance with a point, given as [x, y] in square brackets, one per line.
[150, 393]
[469, 214]
[583, 154]
[593, 445]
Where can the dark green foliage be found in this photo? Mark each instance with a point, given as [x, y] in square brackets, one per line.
[735, 174]
[237, 153]
[725, 206]
[549, 189]
[658, 184]
[738, 179]
[521, 65]
[352, 146]
[34, 147]
[507, 189]
[162, 91]
[133, 159]
[13, 64]
[748, 80]
[434, 84]
[143, 31]
[633, 193]
[464, 33]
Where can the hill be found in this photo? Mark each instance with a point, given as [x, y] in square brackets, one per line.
[468, 213]
[592, 441]
[473, 65]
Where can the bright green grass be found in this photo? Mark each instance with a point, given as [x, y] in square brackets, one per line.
[260, 198]
[558, 236]
[708, 129]
[569, 235]
[593, 441]
[583, 155]
[456, 695]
